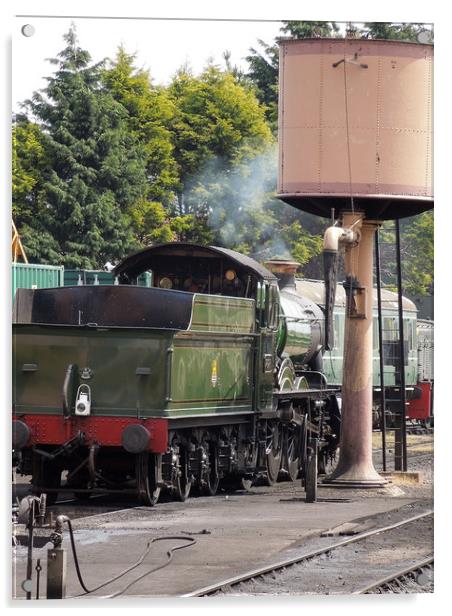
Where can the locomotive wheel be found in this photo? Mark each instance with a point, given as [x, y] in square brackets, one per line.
[182, 483]
[273, 451]
[293, 452]
[45, 475]
[148, 471]
[211, 478]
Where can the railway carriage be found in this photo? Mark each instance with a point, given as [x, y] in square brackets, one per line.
[199, 378]
[333, 359]
[420, 408]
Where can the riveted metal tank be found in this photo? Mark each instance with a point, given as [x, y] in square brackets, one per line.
[355, 119]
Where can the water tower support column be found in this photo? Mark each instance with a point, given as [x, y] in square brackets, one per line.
[355, 467]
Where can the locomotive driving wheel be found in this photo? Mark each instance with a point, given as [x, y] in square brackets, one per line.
[148, 472]
[182, 480]
[211, 477]
[292, 447]
[273, 451]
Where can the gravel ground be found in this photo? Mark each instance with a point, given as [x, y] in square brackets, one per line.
[348, 568]
[342, 570]
[246, 529]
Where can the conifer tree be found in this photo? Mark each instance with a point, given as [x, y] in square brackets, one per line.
[95, 170]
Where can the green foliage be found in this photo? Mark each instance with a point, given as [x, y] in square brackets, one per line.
[151, 223]
[263, 72]
[28, 164]
[96, 167]
[390, 31]
[417, 254]
[417, 239]
[150, 113]
[105, 162]
[310, 29]
[303, 246]
[192, 228]
[218, 126]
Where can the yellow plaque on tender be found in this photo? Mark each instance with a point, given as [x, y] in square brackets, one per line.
[214, 376]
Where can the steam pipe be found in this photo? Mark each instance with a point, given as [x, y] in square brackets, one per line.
[334, 236]
[331, 238]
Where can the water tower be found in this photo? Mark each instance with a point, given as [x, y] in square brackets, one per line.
[355, 135]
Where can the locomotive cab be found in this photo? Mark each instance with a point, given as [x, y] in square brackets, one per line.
[196, 269]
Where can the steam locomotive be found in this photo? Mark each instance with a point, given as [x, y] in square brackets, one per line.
[212, 374]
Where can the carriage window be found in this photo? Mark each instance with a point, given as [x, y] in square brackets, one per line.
[338, 332]
[409, 333]
[390, 328]
[375, 341]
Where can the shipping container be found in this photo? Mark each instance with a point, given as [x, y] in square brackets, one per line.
[36, 276]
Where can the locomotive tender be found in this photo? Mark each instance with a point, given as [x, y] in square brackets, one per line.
[212, 373]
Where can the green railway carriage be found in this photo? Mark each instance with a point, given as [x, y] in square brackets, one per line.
[314, 290]
[333, 359]
[178, 385]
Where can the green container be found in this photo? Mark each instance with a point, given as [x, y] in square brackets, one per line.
[74, 277]
[36, 276]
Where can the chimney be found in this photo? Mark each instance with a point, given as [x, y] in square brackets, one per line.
[284, 270]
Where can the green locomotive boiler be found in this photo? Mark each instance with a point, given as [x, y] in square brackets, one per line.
[212, 373]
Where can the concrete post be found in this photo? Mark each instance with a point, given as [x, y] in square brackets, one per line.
[355, 467]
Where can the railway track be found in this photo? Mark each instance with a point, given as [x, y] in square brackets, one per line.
[243, 583]
[412, 447]
[401, 580]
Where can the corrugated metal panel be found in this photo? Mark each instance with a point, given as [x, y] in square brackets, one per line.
[36, 276]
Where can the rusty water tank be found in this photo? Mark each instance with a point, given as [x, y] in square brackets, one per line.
[355, 119]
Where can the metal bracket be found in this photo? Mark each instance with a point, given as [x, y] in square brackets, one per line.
[349, 61]
[356, 298]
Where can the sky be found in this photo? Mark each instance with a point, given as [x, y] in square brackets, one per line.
[161, 46]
